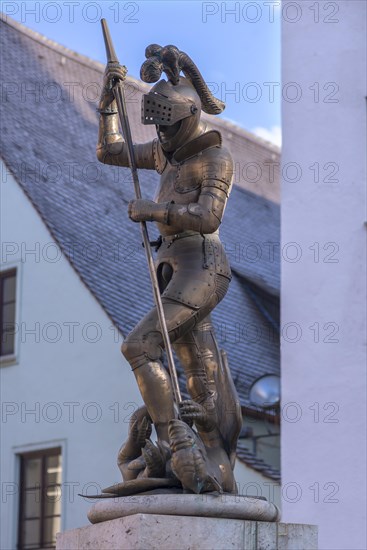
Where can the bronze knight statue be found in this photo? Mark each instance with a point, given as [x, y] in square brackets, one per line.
[197, 438]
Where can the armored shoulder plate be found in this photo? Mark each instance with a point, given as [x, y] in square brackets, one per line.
[217, 169]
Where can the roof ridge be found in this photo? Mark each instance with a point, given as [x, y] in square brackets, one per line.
[59, 48]
[234, 127]
[48, 42]
[223, 123]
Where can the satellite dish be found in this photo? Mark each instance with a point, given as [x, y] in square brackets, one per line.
[265, 391]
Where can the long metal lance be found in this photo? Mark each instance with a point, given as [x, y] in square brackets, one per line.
[118, 92]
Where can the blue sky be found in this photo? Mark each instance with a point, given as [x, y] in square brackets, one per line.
[236, 45]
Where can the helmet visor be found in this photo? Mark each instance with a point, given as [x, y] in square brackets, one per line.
[159, 110]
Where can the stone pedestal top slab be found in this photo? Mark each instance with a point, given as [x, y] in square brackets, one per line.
[204, 505]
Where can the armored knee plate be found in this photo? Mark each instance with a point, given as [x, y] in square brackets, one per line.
[139, 348]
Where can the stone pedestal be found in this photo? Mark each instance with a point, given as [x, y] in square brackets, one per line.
[187, 521]
[165, 532]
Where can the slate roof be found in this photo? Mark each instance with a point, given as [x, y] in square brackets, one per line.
[256, 463]
[48, 136]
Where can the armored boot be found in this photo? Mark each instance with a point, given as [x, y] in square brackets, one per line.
[155, 388]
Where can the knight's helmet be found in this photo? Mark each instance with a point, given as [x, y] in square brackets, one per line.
[175, 105]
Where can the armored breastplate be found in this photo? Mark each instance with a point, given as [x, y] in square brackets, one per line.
[181, 177]
[180, 182]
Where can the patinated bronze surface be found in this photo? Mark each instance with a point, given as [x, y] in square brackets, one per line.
[196, 438]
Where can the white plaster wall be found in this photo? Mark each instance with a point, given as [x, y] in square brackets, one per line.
[323, 383]
[70, 381]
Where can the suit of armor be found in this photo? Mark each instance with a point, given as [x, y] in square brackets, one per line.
[192, 267]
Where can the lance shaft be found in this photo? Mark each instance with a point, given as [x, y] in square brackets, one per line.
[118, 92]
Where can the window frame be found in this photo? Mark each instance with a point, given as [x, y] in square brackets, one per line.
[43, 454]
[16, 266]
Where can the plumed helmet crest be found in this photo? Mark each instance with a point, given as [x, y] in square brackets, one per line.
[172, 61]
